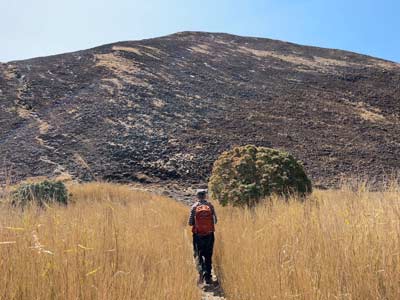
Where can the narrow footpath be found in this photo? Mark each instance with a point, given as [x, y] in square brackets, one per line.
[208, 291]
[212, 292]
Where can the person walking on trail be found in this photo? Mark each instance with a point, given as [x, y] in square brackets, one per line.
[202, 219]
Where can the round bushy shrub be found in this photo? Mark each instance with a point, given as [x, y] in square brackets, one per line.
[41, 193]
[245, 175]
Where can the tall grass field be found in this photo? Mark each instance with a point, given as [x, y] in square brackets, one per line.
[112, 242]
[342, 244]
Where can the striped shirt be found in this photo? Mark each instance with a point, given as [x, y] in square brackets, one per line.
[193, 211]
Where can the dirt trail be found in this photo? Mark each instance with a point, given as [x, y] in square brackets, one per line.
[212, 292]
[208, 291]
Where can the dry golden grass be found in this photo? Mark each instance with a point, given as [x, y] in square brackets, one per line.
[125, 70]
[110, 243]
[115, 243]
[338, 245]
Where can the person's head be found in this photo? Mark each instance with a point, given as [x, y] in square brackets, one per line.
[201, 194]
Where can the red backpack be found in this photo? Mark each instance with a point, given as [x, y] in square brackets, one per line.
[203, 220]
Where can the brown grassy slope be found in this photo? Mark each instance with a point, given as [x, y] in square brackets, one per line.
[339, 245]
[111, 244]
[167, 107]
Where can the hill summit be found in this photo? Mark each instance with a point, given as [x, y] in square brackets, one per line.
[163, 109]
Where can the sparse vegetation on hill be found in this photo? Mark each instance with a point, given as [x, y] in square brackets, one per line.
[341, 244]
[244, 175]
[167, 107]
[111, 243]
[40, 193]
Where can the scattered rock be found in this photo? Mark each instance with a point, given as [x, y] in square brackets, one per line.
[165, 115]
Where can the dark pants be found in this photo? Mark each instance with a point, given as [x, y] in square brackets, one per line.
[203, 246]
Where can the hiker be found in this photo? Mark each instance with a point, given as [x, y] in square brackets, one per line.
[202, 219]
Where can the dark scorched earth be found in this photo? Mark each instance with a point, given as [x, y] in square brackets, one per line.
[162, 110]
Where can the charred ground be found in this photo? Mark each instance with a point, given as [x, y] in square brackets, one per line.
[163, 109]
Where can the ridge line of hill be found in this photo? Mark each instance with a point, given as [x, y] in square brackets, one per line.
[161, 110]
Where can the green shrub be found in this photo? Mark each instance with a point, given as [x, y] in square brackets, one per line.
[245, 175]
[42, 193]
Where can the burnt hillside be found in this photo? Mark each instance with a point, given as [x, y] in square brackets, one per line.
[164, 108]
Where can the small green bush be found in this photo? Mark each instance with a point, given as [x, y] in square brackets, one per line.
[245, 175]
[44, 192]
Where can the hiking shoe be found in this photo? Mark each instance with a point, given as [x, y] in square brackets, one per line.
[208, 279]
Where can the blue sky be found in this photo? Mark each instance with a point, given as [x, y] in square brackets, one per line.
[30, 28]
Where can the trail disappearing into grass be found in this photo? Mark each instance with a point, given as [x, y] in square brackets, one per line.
[112, 243]
[337, 245]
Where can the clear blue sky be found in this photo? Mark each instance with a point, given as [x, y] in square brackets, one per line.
[30, 28]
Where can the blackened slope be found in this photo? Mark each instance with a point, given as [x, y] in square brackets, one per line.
[167, 107]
